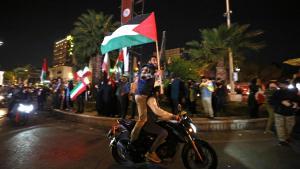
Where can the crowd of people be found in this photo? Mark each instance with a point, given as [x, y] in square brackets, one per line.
[123, 97]
[281, 99]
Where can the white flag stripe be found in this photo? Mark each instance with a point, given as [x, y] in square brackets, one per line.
[126, 60]
[121, 31]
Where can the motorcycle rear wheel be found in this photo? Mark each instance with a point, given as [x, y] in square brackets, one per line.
[189, 157]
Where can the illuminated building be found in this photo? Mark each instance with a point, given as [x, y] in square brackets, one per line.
[62, 59]
[63, 52]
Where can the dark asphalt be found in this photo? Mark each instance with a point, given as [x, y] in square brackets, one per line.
[50, 143]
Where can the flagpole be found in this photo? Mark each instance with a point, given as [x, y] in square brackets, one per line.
[158, 67]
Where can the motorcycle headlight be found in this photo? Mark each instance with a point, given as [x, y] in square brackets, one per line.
[193, 128]
[25, 108]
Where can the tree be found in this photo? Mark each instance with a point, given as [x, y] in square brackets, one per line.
[88, 34]
[215, 43]
[9, 77]
[183, 68]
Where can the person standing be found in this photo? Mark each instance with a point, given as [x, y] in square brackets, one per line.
[80, 102]
[68, 89]
[191, 97]
[177, 93]
[207, 88]
[122, 94]
[221, 94]
[285, 105]
[271, 89]
[99, 93]
[133, 87]
[252, 102]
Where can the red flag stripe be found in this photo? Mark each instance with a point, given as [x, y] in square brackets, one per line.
[148, 27]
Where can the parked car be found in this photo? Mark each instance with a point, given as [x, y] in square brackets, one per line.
[242, 88]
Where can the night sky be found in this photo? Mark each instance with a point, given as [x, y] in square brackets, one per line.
[29, 28]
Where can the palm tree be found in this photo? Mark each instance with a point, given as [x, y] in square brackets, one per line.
[89, 31]
[215, 43]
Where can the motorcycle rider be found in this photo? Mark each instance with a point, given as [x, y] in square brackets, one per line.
[21, 94]
[145, 96]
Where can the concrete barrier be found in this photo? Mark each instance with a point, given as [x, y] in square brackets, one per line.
[217, 124]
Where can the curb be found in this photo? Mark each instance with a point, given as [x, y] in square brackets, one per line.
[217, 124]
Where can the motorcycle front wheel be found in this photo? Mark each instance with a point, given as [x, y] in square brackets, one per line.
[191, 161]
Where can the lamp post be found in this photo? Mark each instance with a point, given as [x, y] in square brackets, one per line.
[230, 56]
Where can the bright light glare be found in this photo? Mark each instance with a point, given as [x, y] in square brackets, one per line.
[298, 86]
[2, 113]
[193, 127]
[290, 86]
[25, 108]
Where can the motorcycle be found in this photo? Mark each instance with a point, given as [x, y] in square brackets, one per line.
[196, 153]
[19, 115]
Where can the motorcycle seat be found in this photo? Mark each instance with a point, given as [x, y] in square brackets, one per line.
[127, 123]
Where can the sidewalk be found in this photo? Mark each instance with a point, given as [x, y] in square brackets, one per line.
[205, 124]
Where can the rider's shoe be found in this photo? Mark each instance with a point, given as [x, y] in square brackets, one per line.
[152, 156]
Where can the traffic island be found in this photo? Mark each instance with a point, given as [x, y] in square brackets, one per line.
[205, 124]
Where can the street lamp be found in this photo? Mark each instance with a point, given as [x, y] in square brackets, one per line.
[236, 74]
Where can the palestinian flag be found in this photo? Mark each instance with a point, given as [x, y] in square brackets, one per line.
[120, 62]
[140, 30]
[44, 71]
[76, 91]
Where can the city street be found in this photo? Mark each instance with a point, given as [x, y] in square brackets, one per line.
[50, 143]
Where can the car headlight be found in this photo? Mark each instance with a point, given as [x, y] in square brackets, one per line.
[1, 97]
[193, 128]
[25, 108]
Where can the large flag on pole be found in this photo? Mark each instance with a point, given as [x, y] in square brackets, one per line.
[140, 30]
[44, 71]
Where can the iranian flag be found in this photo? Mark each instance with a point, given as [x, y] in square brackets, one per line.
[140, 30]
[81, 75]
[44, 71]
[80, 87]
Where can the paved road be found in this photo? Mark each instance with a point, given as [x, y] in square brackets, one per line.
[49, 143]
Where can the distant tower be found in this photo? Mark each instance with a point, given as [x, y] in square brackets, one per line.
[63, 52]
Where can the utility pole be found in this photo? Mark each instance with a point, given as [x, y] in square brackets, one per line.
[230, 56]
[162, 51]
